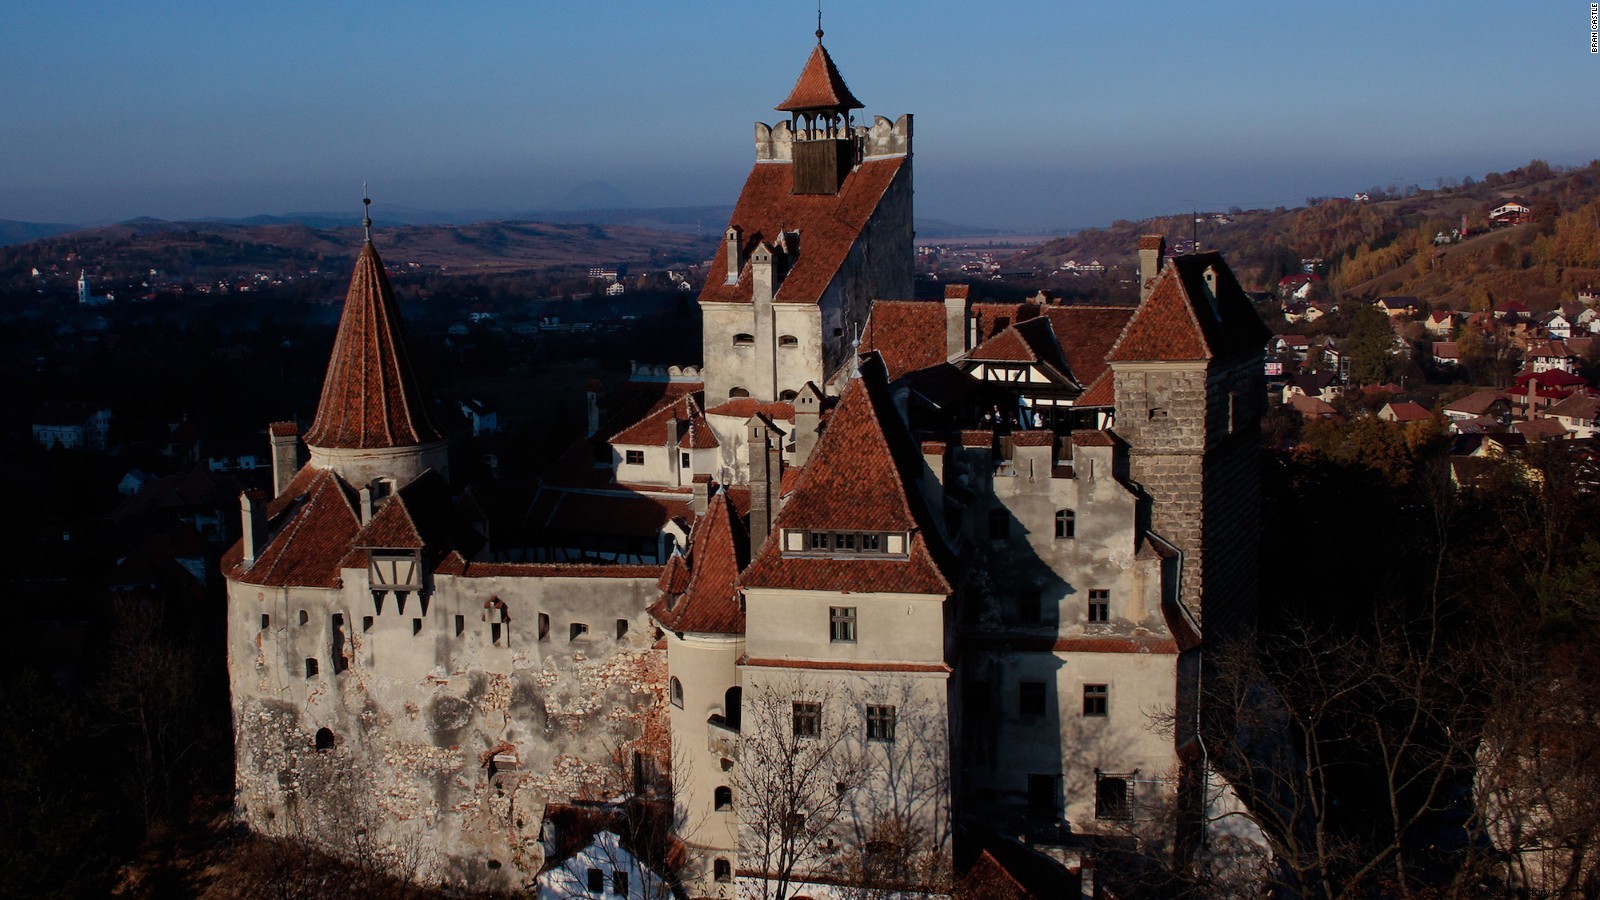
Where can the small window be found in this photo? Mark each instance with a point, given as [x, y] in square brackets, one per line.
[266, 621]
[544, 626]
[788, 340]
[496, 631]
[1099, 606]
[842, 624]
[1029, 607]
[683, 460]
[871, 543]
[819, 540]
[1158, 412]
[1042, 794]
[787, 396]
[303, 617]
[722, 870]
[634, 457]
[311, 667]
[416, 626]
[675, 691]
[619, 882]
[844, 540]
[577, 631]
[738, 392]
[1112, 798]
[622, 629]
[880, 723]
[723, 797]
[597, 881]
[807, 719]
[461, 625]
[999, 525]
[1031, 698]
[744, 340]
[366, 624]
[1095, 699]
[324, 739]
[1066, 524]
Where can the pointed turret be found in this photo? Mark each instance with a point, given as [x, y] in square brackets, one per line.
[819, 116]
[372, 420]
[820, 87]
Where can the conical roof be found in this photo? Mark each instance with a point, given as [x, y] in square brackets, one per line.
[820, 86]
[370, 398]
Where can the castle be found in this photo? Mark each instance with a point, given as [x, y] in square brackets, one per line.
[882, 577]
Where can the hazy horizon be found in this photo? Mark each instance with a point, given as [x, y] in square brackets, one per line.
[1028, 117]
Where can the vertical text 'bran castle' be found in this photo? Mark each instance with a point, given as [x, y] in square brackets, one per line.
[884, 583]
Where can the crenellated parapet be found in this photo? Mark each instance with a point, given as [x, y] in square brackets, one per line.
[883, 139]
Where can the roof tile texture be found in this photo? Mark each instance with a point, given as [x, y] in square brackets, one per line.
[370, 397]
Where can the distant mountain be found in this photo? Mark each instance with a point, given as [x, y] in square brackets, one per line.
[206, 249]
[13, 232]
[596, 195]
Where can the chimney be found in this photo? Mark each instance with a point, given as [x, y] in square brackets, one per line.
[285, 438]
[933, 457]
[364, 501]
[1210, 276]
[701, 498]
[955, 320]
[674, 434]
[766, 477]
[1151, 248]
[807, 419]
[733, 250]
[253, 522]
[592, 401]
[763, 282]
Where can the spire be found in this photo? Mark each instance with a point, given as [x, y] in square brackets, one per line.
[820, 87]
[370, 398]
[366, 212]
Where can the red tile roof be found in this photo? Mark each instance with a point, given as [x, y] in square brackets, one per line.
[745, 407]
[1086, 335]
[1178, 323]
[1103, 392]
[820, 86]
[311, 528]
[651, 431]
[283, 429]
[977, 439]
[1093, 439]
[850, 483]
[1040, 438]
[718, 549]
[1152, 242]
[910, 334]
[828, 225]
[370, 397]
[392, 528]
[674, 576]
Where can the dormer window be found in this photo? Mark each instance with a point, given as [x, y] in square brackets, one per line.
[846, 543]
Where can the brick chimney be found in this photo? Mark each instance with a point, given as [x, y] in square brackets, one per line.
[1151, 248]
[955, 320]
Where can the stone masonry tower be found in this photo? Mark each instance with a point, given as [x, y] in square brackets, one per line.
[1189, 392]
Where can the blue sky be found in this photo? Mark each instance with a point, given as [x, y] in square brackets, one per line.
[1028, 114]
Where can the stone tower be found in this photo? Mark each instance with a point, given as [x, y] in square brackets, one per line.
[1189, 388]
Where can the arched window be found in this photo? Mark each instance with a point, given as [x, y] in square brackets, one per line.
[787, 396]
[675, 691]
[304, 618]
[731, 701]
[311, 667]
[324, 739]
[723, 797]
[744, 340]
[1066, 524]
[738, 392]
[722, 869]
[788, 340]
